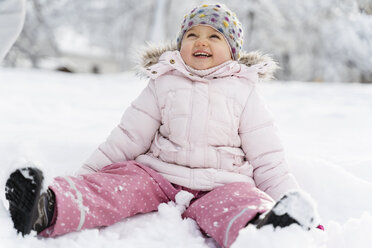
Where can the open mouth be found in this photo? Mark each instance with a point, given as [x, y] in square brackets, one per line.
[202, 55]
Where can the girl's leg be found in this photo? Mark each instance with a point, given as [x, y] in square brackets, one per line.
[225, 210]
[99, 199]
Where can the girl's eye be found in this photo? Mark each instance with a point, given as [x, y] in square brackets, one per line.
[191, 35]
[215, 36]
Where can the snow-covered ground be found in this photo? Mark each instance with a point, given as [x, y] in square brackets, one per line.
[56, 120]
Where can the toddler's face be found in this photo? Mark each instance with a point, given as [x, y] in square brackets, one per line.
[204, 47]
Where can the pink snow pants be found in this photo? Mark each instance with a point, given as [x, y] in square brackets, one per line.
[125, 189]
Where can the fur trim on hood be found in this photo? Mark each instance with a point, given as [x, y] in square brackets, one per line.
[151, 53]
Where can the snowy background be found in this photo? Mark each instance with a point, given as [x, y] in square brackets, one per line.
[317, 40]
[56, 120]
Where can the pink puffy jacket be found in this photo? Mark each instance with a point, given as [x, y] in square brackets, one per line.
[201, 129]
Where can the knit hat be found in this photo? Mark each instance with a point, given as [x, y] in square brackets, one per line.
[219, 17]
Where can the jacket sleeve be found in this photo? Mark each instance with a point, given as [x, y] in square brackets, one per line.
[12, 14]
[132, 136]
[263, 148]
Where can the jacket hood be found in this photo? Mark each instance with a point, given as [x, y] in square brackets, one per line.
[150, 55]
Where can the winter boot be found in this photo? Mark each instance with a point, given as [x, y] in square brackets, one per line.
[45, 211]
[295, 207]
[29, 210]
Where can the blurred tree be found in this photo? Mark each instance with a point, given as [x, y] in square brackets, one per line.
[37, 39]
[157, 34]
[365, 6]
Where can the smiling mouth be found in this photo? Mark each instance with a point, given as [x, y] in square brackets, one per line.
[202, 55]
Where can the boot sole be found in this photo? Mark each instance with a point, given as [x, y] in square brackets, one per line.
[283, 219]
[296, 207]
[276, 220]
[22, 191]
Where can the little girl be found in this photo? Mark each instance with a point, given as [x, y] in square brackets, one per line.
[199, 126]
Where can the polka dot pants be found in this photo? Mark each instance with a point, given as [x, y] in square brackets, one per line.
[125, 189]
[222, 212]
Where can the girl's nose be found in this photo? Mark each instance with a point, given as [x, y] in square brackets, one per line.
[201, 42]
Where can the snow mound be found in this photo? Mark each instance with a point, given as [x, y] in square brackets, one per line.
[183, 199]
[290, 237]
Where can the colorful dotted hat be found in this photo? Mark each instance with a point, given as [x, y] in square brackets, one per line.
[219, 17]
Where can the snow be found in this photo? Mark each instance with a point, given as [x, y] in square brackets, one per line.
[26, 174]
[56, 120]
[183, 198]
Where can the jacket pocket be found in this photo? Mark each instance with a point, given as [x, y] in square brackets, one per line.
[234, 112]
[166, 112]
[164, 149]
[230, 156]
[232, 159]
[223, 121]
